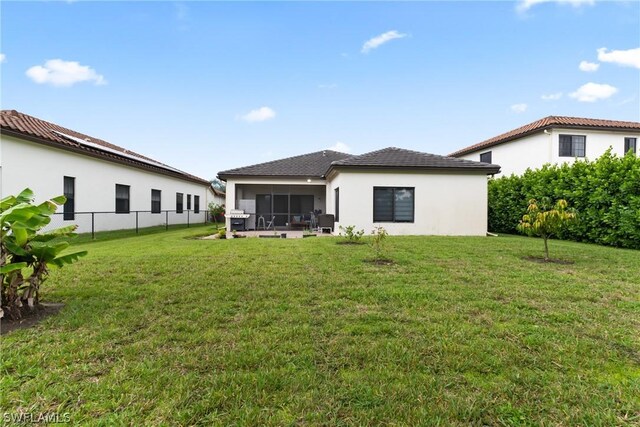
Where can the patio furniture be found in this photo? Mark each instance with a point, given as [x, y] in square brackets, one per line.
[326, 221]
[298, 222]
[261, 221]
[271, 223]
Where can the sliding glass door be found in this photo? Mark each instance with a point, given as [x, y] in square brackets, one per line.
[286, 208]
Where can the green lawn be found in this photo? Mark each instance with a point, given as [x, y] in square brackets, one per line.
[166, 330]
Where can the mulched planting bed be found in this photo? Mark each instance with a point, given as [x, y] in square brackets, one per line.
[30, 318]
[550, 260]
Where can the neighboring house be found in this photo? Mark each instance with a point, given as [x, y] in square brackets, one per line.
[406, 192]
[217, 196]
[96, 176]
[554, 139]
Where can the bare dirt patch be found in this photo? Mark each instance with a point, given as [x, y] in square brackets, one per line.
[30, 318]
[541, 260]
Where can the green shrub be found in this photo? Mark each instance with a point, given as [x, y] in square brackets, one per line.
[351, 234]
[604, 193]
[27, 253]
[379, 235]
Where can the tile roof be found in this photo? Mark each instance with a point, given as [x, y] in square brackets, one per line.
[550, 122]
[307, 165]
[393, 157]
[21, 125]
[319, 164]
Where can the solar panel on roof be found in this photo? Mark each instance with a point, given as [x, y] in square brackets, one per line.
[119, 153]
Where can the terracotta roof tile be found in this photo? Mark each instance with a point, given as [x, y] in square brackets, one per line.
[549, 122]
[14, 122]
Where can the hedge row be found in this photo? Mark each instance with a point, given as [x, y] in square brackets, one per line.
[605, 194]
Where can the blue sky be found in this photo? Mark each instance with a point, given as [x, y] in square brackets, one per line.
[206, 86]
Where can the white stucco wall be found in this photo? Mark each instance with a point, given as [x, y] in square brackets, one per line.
[534, 151]
[42, 168]
[445, 203]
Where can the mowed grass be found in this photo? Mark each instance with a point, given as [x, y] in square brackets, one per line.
[167, 330]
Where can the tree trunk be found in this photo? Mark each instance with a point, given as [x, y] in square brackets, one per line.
[546, 248]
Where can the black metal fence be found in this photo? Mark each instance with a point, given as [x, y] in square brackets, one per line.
[103, 221]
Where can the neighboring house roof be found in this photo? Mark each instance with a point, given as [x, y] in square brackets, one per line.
[20, 125]
[218, 192]
[398, 158]
[312, 165]
[547, 123]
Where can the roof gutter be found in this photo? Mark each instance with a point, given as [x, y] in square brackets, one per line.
[486, 169]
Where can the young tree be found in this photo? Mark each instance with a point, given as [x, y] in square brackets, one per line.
[27, 253]
[542, 222]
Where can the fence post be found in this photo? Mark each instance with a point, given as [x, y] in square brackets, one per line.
[166, 223]
[93, 228]
[136, 222]
[188, 218]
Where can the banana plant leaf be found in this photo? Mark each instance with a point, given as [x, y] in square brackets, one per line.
[68, 258]
[6, 269]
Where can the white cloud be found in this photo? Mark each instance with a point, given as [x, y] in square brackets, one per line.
[524, 5]
[519, 108]
[341, 147]
[57, 72]
[588, 66]
[378, 41]
[626, 58]
[259, 115]
[552, 96]
[3, 58]
[592, 92]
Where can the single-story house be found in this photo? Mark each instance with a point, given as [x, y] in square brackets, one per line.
[97, 177]
[406, 192]
[555, 140]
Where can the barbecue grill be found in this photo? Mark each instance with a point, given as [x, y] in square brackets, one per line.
[238, 219]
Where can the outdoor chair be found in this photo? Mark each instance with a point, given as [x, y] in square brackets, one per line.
[271, 223]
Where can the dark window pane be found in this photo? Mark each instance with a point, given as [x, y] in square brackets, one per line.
[281, 204]
[485, 157]
[301, 204]
[565, 146]
[179, 202]
[122, 198]
[156, 201]
[382, 204]
[403, 205]
[630, 144]
[579, 144]
[69, 192]
[188, 202]
[573, 145]
[196, 204]
[263, 205]
[337, 203]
